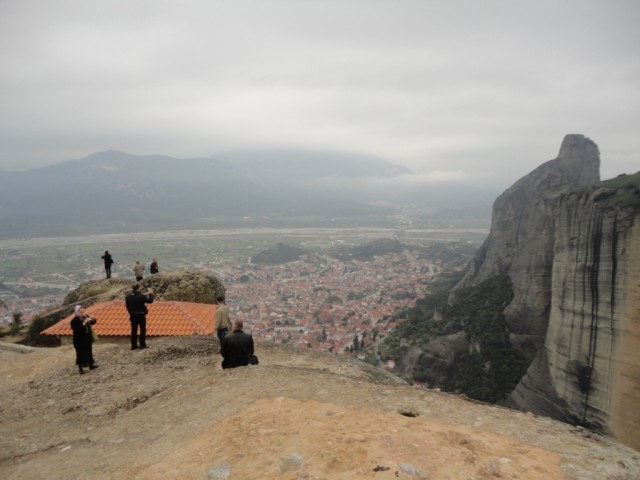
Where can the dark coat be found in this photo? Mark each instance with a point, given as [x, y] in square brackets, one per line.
[108, 261]
[135, 303]
[82, 341]
[236, 349]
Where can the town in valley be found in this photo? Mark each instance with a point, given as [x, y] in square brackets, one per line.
[326, 299]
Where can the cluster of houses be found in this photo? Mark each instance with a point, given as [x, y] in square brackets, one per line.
[315, 302]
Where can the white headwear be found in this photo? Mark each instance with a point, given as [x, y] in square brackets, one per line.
[77, 308]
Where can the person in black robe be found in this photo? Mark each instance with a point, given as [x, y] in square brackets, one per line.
[83, 339]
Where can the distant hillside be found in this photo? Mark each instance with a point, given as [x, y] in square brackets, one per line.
[367, 251]
[117, 192]
[453, 253]
[281, 253]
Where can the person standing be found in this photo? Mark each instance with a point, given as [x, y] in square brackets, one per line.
[108, 261]
[83, 339]
[138, 268]
[222, 318]
[137, 309]
[237, 348]
[153, 268]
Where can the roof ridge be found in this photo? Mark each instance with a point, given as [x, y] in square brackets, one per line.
[198, 326]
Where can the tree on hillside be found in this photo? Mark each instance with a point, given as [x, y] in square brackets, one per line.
[374, 334]
[16, 324]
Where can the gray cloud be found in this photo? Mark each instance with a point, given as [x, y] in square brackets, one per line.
[474, 91]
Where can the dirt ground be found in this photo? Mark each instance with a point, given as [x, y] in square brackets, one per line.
[172, 412]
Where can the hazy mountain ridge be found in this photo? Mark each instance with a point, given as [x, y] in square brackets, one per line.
[118, 191]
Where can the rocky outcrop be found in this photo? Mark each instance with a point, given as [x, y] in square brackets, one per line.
[589, 369]
[433, 362]
[521, 239]
[181, 286]
[570, 246]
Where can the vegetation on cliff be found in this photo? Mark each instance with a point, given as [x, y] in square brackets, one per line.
[490, 368]
[625, 189]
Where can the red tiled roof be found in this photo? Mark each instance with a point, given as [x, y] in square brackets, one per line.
[164, 319]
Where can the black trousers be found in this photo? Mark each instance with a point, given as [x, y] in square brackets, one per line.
[108, 270]
[138, 321]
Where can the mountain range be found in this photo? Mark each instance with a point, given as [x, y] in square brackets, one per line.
[114, 191]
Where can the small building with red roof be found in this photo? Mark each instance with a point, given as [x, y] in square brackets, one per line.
[165, 319]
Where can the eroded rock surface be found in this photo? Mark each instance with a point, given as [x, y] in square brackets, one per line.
[522, 238]
[171, 412]
[589, 370]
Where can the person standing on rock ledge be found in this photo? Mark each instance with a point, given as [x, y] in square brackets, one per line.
[138, 268]
[108, 261]
[237, 348]
[137, 309]
[153, 268]
[222, 318]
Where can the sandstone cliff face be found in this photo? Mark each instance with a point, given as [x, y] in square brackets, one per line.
[589, 369]
[521, 240]
[571, 248]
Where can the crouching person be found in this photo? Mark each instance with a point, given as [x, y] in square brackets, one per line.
[237, 348]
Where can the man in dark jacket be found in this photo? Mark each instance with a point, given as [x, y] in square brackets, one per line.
[237, 348]
[137, 309]
[108, 261]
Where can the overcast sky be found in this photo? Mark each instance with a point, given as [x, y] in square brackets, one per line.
[469, 90]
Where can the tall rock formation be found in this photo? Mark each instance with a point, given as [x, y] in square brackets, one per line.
[571, 248]
[546, 317]
[589, 369]
[521, 241]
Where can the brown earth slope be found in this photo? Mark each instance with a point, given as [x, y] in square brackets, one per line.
[172, 412]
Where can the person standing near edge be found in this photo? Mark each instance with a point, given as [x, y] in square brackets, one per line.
[137, 309]
[108, 261]
[83, 339]
[237, 348]
[138, 268]
[153, 268]
[222, 318]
